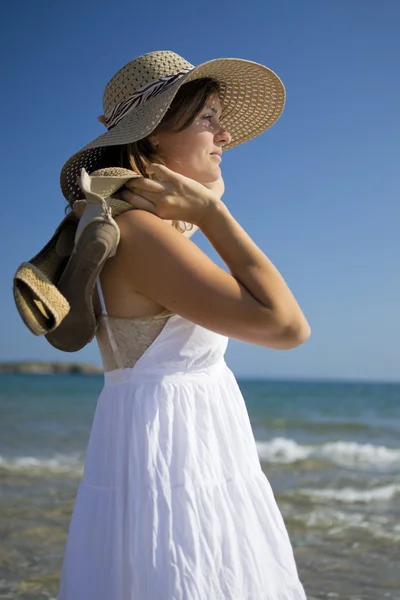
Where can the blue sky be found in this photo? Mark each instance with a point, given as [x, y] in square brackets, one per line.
[319, 192]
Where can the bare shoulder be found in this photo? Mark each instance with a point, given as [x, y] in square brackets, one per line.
[148, 228]
[171, 271]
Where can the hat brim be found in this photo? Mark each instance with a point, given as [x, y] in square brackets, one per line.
[252, 99]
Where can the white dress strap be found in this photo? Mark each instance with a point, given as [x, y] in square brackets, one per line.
[101, 296]
[110, 334]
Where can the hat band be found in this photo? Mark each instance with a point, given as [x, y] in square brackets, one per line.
[148, 92]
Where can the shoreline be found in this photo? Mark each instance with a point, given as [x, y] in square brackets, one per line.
[49, 368]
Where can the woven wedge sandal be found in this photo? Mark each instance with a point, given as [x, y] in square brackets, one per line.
[54, 291]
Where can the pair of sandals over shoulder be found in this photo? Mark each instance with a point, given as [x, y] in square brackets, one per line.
[53, 291]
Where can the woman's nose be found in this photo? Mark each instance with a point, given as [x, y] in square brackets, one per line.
[223, 137]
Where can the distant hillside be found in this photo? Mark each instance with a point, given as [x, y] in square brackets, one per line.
[49, 368]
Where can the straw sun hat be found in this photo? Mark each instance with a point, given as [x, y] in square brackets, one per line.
[136, 99]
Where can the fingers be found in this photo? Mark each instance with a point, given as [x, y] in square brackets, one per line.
[138, 201]
[141, 183]
[152, 197]
[162, 172]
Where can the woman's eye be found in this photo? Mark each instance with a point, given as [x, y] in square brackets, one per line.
[208, 117]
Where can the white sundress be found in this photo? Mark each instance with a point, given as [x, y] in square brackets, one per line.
[173, 504]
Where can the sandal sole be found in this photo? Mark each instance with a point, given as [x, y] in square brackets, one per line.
[77, 284]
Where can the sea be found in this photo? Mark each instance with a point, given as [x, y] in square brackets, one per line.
[331, 451]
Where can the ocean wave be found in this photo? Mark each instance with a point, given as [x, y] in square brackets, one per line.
[338, 522]
[278, 450]
[346, 454]
[31, 465]
[353, 495]
[283, 450]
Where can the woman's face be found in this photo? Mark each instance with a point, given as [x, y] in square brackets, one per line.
[196, 151]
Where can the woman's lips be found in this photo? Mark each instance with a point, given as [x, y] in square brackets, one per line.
[217, 156]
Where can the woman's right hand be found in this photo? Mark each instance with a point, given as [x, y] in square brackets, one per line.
[173, 196]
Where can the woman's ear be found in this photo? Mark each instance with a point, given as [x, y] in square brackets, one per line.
[153, 140]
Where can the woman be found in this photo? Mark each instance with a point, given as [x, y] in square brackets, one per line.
[173, 503]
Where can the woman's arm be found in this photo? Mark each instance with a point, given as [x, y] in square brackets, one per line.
[286, 323]
[253, 304]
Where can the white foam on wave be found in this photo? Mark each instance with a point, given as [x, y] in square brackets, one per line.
[353, 495]
[283, 450]
[346, 454]
[353, 454]
[59, 463]
[337, 522]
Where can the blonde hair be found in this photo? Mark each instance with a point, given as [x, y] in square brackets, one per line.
[188, 102]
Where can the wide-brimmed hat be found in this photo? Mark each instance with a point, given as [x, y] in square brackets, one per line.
[136, 99]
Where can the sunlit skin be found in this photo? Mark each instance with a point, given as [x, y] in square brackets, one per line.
[196, 151]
